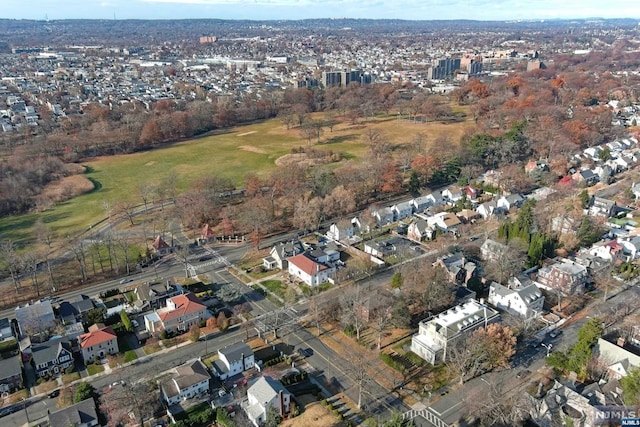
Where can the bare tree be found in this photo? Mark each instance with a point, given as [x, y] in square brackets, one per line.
[10, 261]
[145, 190]
[496, 406]
[46, 237]
[351, 303]
[358, 361]
[382, 320]
[129, 402]
[79, 250]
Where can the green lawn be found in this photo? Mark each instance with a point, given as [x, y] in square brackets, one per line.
[274, 286]
[94, 369]
[130, 356]
[230, 153]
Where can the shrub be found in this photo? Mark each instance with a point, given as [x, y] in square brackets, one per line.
[392, 362]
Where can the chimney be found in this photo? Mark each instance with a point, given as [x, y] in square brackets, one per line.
[281, 401]
[621, 342]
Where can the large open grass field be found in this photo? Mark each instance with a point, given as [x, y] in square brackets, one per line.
[231, 153]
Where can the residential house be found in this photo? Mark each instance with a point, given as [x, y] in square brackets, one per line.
[487, 209]
[619, 357]
[599, 206]
[592, 152]
[459, 270]
[188, 381]
[631, 247]
[437, 333]
[534, 169]
[383, 216]
[52, 357]
[635, 189]
[11, 374]
[233, 360]
[309, 271]
[445, 221]
[402, 210]
[281, 252]
[76, 309]
[586, 177]
[467, 216]
[180, 313]
[81, 414]
[262, 394]
[419, 230]
[492, 250]
[561, 405]
[341, 231]
[471, 192]
[506, 203]
[563, 275]
[154, 295]
[422, 203]
[6, 330]
[98, 343]
[36, 320]
[383, 248]
[608, 251]
[160, 247]
[452, 194]
[523, 302]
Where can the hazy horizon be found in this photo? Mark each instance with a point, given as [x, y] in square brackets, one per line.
[417, 10]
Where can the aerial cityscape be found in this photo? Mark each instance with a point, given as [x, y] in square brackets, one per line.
[332, 213]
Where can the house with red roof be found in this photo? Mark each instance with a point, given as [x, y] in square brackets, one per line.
[98, 342]
[309, 271]
[180, 313]
[207, 234]
[160, 247]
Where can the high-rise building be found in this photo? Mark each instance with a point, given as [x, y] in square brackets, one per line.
[443, 68]
[344, 78]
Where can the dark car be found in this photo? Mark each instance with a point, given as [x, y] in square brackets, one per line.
[54, 393]
[305, 352]
[205, 258]
[555, 334]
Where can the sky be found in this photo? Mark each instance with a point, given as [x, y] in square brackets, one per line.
[302, 9]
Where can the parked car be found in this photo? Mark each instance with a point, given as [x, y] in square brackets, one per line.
[305, 352]
[135, 323]
[555, 333]
[54, 393]
[126, 280]
[523, 373]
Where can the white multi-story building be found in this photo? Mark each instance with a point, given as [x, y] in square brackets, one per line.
[525, 302]
[233, 360]
[190, 380]
[438, 332]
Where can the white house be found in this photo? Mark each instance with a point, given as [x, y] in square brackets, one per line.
[452, 194]
[402, 210]
[420, 230]
[618, 359]
[438, 332]
[420, 204]
[233, 360]
[265, 392]
[344, 230]
[189, 380]
[487, 209]
[524, 302]
[383, 216]
[509, 202]
[310, 272]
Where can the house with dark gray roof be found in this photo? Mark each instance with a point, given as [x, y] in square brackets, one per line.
[233, 360]
[281, 252]
[52, 357]
[82, 414]
[189, 380]
[525, 302]
[11, 374]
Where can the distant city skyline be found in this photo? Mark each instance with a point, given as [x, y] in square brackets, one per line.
[304, 9]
